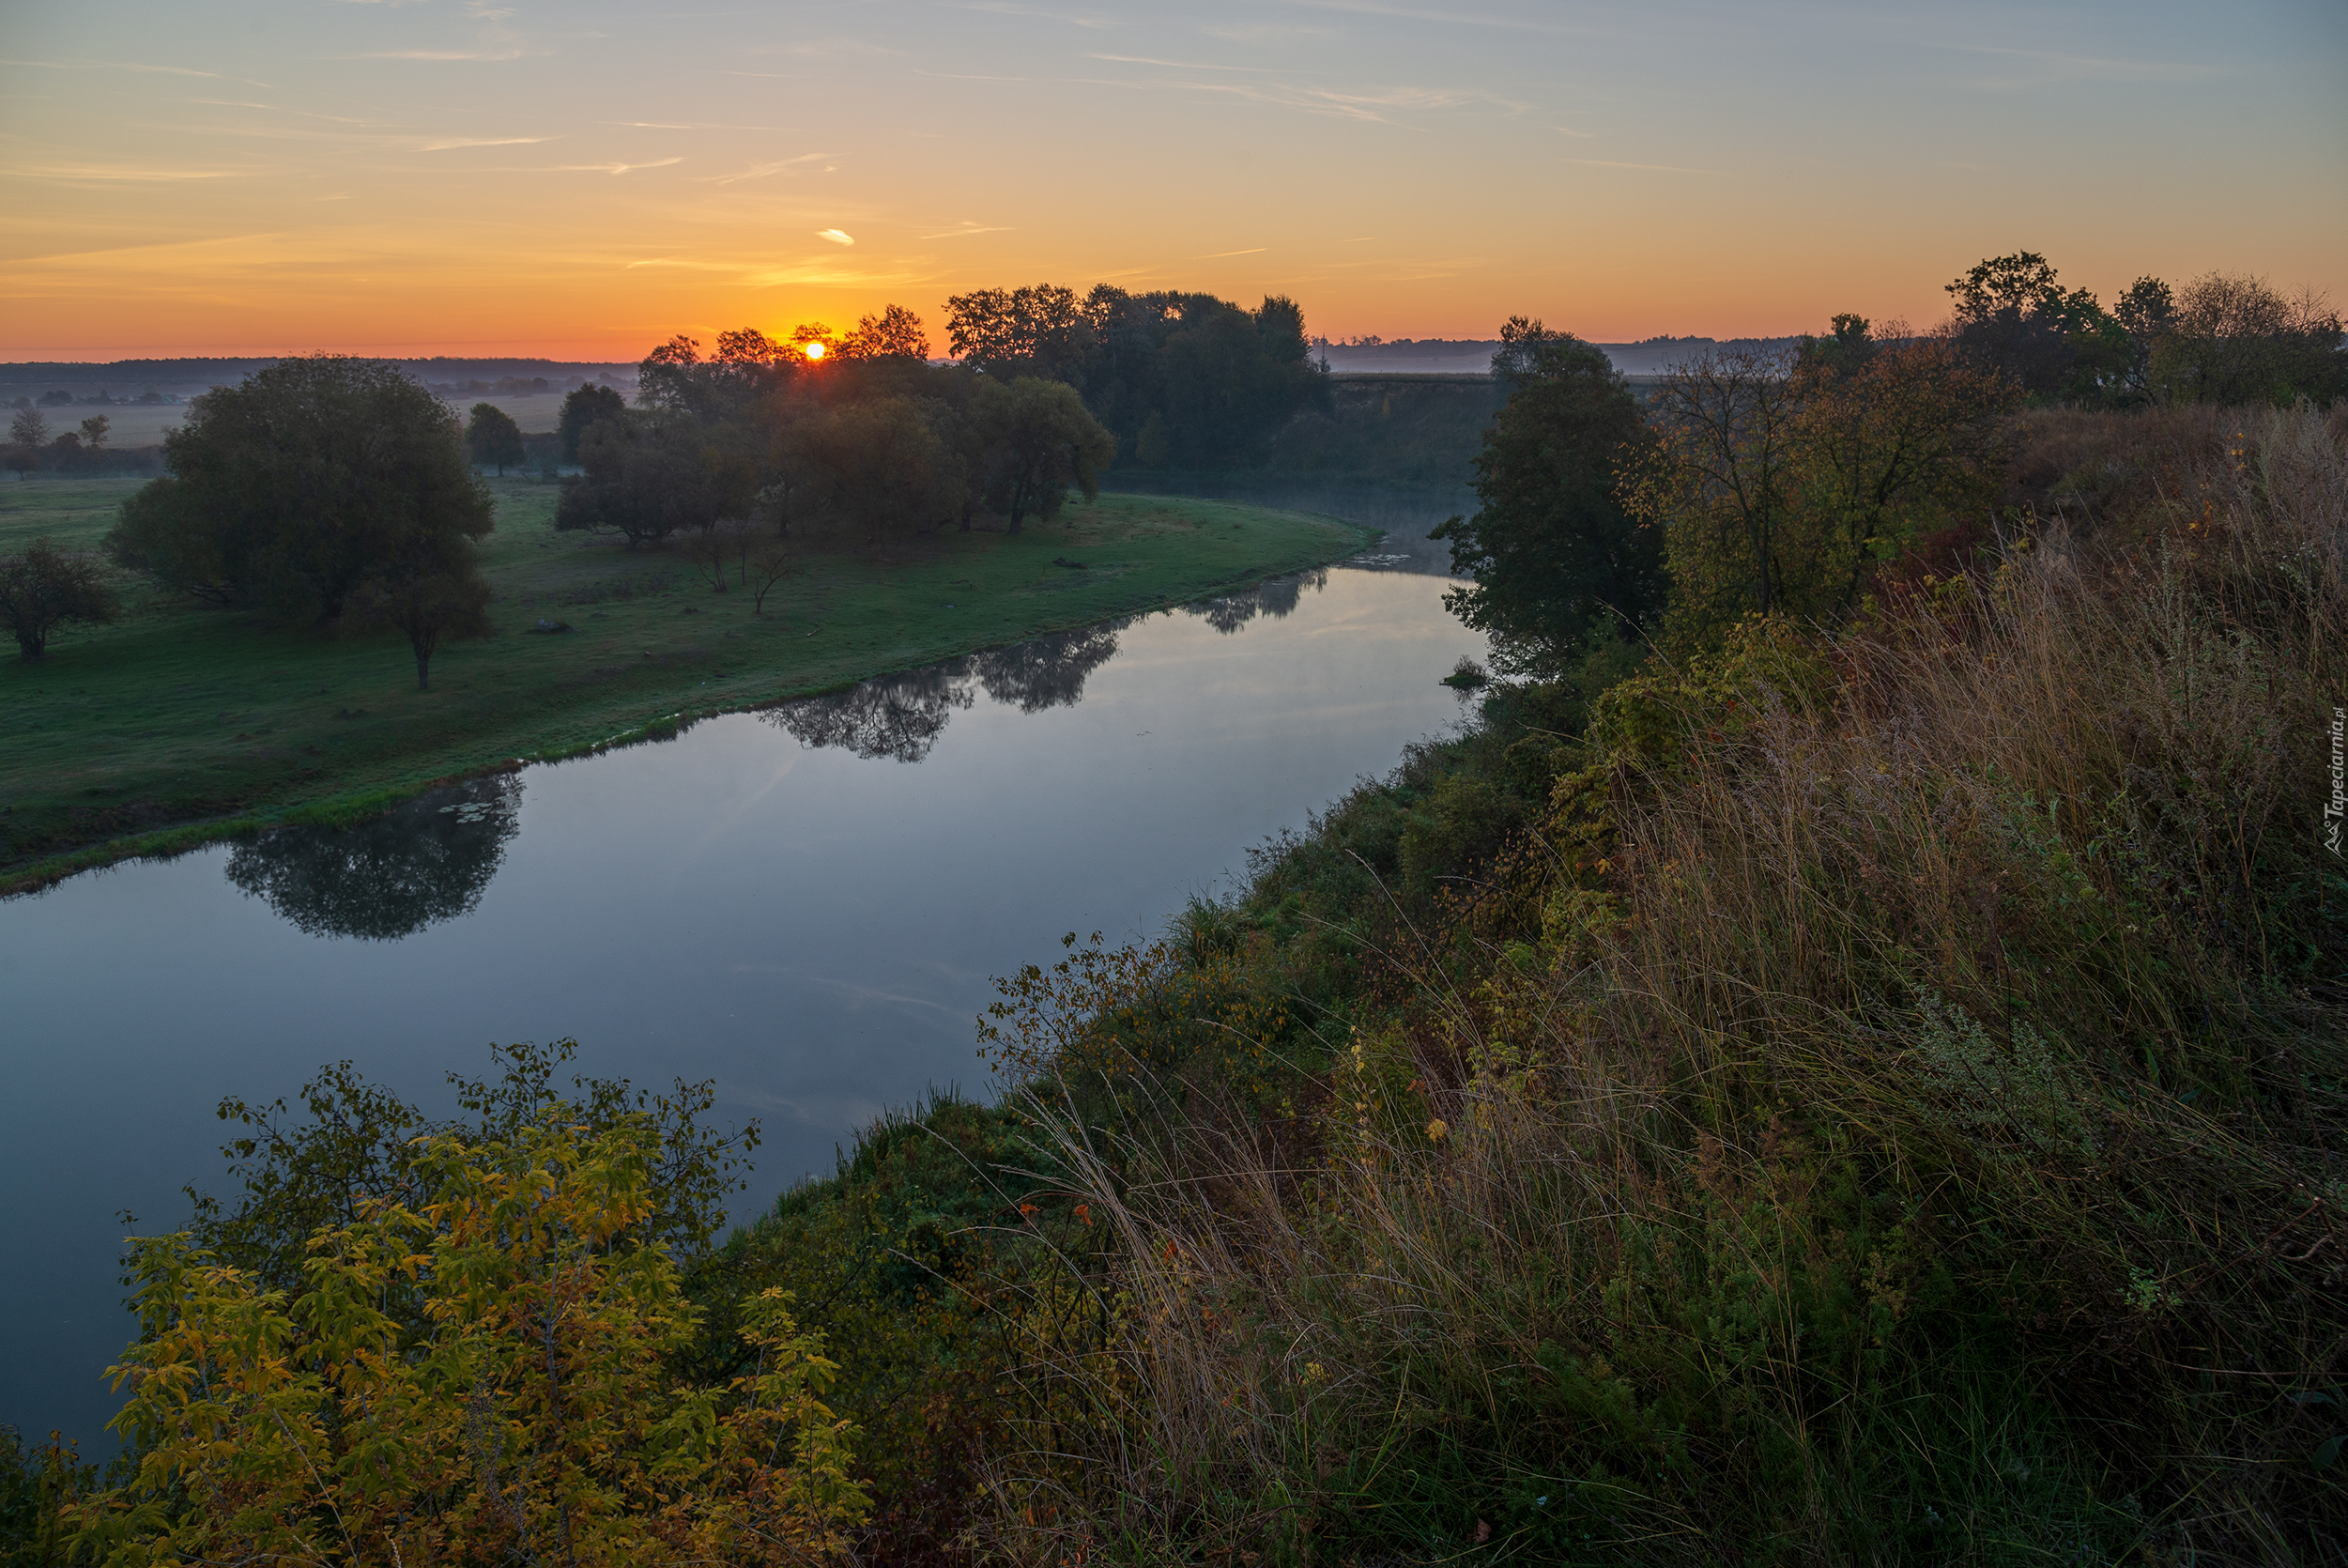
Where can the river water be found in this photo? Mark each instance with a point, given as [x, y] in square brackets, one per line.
[804, 904]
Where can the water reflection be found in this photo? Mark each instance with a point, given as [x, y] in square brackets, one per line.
[1046, 672]
[892, 716]
[432, 859]
[428, 861]
[901, 716]
[1276, 599]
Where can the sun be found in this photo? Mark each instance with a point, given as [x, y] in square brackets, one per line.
[814, 351]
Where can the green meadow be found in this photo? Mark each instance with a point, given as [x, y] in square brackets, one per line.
[184, 721]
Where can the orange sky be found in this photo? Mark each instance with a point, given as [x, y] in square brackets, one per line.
[580, 180]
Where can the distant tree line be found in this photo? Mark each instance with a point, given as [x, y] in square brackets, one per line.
[33, 448]
[1181, 380]
[823, 440]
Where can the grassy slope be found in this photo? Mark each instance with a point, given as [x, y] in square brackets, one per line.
[183, 720]
[1849, 1104]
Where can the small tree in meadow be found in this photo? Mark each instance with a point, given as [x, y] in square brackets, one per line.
[492, 440]
[45, 588]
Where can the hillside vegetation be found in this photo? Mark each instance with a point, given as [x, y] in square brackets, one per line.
[1829, 1100]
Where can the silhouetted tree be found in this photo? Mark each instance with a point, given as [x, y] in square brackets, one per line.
[582, 407]
[1554, 557]
[2233, 340]
[894, 333]
[492, 437]
[1036, 331]
[2013, 314]
[288, 490]
[45, 588]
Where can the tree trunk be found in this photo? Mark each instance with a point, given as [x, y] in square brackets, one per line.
[423, 670]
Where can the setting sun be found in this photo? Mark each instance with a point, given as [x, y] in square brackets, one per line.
[814, 351]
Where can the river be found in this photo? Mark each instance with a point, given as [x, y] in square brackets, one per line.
[804, 904]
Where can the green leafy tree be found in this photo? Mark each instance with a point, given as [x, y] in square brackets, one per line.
[650, 475]
[874, 467]
[288, 491]
[534, 1416]
[43, 588]
[1039, 441]
[95, 431]
[581, 408]
[428, 601]
[1907, 440]
[1554, 557]
[491, 438]
[1722, 484]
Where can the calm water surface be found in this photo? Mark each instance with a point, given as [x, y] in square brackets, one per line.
[805, 905]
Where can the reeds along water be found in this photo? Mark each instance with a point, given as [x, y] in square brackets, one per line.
[1897, 1114]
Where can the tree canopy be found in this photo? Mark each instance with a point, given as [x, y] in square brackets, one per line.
[491, 436]
[43, 588]
[1555, 561]
[286, 492]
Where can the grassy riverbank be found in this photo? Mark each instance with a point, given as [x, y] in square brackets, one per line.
[183, 722]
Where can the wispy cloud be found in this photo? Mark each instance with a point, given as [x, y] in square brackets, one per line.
[1459, 18]
[613, 168]
[692, 124]
[967, 228]
[130, 174]
[455, 141]
[1263, 32]
[1577, 135]
[1215, 255]
[1011, 7]
[1187, 65]
[439, 54]
[2037, 68]
[760, 171]
[132, 65]
[815, 272]
[837, 237]
[1659, 168]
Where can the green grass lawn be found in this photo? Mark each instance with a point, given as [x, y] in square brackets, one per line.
[185, 721]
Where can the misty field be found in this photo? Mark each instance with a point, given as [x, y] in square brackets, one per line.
[183, 721]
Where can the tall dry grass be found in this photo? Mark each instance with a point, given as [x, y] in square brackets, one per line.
[1916, 1135]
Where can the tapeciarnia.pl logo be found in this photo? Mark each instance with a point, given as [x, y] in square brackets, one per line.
[2337, 807]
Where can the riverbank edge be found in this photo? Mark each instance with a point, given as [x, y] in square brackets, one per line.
[350, 807]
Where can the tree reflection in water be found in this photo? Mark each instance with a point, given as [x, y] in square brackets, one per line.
[1046, 672]
[428, 861]
[893, 716]
[1275, 598]
[902, 715]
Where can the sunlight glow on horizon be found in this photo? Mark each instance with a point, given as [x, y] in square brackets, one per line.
[444, 177]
